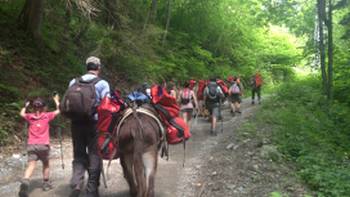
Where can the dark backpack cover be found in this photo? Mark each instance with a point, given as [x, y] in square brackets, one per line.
[213, 93]
[79, 101]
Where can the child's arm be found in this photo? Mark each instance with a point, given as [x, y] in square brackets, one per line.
[23, 110]
[56, 98]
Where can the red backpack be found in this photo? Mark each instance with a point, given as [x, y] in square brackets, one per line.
[258, 80]
[201, 87]
[223, 86]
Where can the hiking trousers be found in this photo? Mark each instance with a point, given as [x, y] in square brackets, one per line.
[85, 156]
[256, 90]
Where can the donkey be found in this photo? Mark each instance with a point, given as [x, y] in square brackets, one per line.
[140, 136]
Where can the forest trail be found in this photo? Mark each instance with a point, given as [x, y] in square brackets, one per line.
[229, 164]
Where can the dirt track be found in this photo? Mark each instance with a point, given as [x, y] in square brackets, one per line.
[212, 168]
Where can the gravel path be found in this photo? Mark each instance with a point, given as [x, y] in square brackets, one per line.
[225, 165]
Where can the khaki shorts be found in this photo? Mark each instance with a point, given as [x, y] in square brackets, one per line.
[38, 152]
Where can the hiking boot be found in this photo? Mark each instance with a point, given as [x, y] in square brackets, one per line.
[23, 188]
[213, 132]
[75, 193]
[47, 186]
[238, 111]
[253, 102]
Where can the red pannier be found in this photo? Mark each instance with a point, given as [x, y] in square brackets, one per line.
[177, 130]
[160, 96]
[166, 106]
[108, 112]
[201, 86]
[223, 86]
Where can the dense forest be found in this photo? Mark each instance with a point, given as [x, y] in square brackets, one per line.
[300, 47]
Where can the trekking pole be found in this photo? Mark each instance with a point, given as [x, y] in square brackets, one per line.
[103, 175]
[222, 118]
[25, 132]
[61, 148]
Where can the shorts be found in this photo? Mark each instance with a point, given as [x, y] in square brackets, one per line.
[214, 111]
[235, 98]
[38, 152]
[187, 110]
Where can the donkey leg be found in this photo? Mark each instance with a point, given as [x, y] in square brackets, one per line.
[139, 174]
[150, 159]
[127, 164]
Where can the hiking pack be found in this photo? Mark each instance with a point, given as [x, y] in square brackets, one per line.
[223, 86]
[201, 87]
[235, 89]
[213, 92]
[258, 80]
[79, 101]
[186, 96]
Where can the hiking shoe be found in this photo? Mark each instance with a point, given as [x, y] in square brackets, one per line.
[75, 193]
[23, 188]
[47, 186]
[253, 102]
[238, 111]
[213, 132]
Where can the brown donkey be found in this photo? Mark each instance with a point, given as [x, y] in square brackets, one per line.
[139, 137]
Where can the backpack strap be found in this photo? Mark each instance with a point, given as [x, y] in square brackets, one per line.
[93, 81]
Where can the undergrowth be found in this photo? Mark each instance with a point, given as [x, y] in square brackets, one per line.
[311, 132]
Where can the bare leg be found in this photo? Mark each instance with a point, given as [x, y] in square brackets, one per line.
[213, 124]
[46, 170]
[29, 171]
[237, 107]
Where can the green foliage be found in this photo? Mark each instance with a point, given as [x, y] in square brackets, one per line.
[313, 133]
[8, 93]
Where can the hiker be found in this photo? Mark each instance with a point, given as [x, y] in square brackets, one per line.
[171, 89]
[235, 93]
[213, 96]
[91, 89]
[192, 84]
[38, 144]
[188, 102]
[200, 89]
[256, 83]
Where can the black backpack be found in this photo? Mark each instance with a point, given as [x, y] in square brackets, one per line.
[213, 93]
[79, 101]
[185, 96]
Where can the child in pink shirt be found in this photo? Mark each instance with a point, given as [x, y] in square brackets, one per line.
[38, 145]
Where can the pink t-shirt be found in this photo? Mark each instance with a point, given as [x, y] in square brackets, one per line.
[38, 131]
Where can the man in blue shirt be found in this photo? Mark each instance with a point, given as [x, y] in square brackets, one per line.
[84, 137]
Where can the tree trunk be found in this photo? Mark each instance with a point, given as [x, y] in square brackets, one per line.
[110, 10]
[31, 17]
[151, 15]
[167, 22]
[321, 14]
[330, 50]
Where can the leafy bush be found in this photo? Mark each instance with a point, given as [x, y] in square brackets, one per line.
[313, 133]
